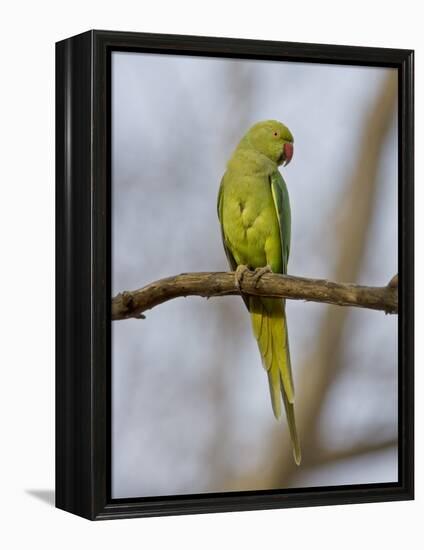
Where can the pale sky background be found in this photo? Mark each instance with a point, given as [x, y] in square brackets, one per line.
[190, 402]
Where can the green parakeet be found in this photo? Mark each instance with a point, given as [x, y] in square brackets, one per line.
[254, 211]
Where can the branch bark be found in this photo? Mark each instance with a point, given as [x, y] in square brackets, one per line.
[133, 304]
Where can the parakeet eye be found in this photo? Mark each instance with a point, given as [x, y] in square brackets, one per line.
[275, 134]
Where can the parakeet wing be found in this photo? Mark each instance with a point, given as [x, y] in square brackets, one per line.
[230, 257]
[282, 206]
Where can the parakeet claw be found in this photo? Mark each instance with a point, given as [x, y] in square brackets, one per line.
[239, 274]
[259, 272]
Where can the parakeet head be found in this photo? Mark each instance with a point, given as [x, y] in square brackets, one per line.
[272, 139]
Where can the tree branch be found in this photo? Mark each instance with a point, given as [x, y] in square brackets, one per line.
[132, 304]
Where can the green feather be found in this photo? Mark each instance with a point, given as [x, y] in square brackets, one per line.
[280, 195]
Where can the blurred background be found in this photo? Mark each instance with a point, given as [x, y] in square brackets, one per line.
[191, 411]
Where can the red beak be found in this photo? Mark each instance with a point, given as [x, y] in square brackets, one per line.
[288, 153]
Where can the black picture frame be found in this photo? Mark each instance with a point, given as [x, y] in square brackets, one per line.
[83, 236]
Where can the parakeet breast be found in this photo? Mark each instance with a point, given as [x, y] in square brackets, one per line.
[250, 221]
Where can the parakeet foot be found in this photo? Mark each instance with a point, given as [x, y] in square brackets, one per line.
[259, 272]
[239, 274]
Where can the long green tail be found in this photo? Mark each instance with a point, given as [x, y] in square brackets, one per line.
[270, 329]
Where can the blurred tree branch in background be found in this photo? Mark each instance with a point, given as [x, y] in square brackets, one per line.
[354, 215]
[353, 220]
[128, 305]
[334, 455]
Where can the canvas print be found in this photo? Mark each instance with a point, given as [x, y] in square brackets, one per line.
[233, 171]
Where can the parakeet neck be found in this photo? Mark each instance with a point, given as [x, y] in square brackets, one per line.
[248, 160]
